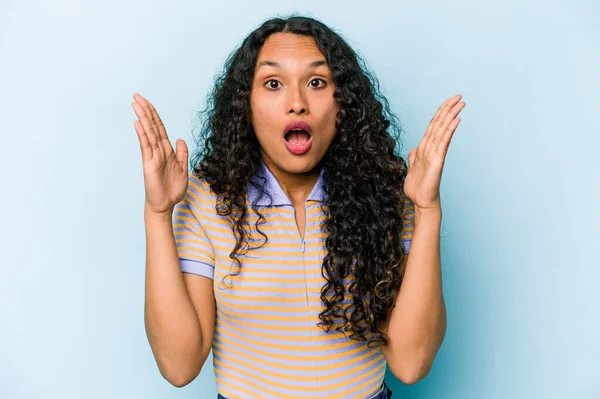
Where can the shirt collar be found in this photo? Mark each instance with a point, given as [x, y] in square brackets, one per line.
[272, 186]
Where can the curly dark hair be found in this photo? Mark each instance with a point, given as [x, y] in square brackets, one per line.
[363, 177]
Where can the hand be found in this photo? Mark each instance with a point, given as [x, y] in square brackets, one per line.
[422, 183]
[165, 172]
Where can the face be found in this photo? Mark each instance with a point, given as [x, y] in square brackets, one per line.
[292, 83]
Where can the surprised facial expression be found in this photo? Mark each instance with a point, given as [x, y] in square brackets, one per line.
[292, 103]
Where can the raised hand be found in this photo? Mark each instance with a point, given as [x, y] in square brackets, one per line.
[422, 183]
[165, 171]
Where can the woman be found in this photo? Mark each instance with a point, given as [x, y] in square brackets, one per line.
[285, 250]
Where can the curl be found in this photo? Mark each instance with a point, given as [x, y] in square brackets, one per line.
[364, 264]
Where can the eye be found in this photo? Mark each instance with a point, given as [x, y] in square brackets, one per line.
[272, 84]
[317, 86]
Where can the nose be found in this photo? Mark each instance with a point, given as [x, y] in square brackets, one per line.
[297, 102]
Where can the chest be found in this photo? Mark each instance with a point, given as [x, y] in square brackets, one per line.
[300, 218]
[283, 274]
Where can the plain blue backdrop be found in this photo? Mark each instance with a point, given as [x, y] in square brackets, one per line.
[520, 189]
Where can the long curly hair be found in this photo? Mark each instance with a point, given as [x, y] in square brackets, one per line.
[363, 177]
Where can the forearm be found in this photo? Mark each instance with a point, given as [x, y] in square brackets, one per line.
[417, 323]
[172, 326]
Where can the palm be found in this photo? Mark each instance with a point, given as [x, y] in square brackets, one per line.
[422, 183]
[422, 170]
[165, 171]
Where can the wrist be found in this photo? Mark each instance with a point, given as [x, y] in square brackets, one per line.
[429, 213]
[160, 216]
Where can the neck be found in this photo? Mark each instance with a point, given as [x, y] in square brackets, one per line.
[297, 186]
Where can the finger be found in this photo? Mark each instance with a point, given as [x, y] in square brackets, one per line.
[443, 128]
[143, 112]
[182, 154]
[436, 118]
[165, 148]
[447, 137]
[146, 106]
[145, 123]
[158, 122]
[144, 142]
[445, 112]
[162, 131]
[144, 103]
[432, 122]
[411, 157]
[451, 116]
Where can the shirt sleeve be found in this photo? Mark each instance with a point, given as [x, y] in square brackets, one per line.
[196, 253]
[408, 216]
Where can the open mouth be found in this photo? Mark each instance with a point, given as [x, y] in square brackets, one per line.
[297, 136]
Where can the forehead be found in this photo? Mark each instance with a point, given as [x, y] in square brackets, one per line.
[287, 45]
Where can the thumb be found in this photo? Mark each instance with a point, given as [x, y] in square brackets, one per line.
[411, 157]
[181, 154]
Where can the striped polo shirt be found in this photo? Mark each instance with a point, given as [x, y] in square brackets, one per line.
[267, 343]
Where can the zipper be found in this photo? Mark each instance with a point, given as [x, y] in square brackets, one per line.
[305, 223]
[302, 236]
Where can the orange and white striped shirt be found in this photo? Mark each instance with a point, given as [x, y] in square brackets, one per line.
[267, 343]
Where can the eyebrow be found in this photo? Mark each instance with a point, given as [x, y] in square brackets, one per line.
[313, 64]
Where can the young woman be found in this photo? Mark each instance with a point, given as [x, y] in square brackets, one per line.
[301, 248]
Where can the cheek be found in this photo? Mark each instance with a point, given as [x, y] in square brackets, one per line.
[332, 116]
[260, 109]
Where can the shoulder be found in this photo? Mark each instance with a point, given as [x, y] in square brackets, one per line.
[199, 200]
[408, 207]
[199, 190]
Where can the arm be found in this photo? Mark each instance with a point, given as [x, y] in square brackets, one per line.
[179, 312]
[417, 323]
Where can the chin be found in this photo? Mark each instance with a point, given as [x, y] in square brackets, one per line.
[290, 163]
[298, 165]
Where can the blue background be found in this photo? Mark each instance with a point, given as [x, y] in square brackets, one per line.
[520, 189]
